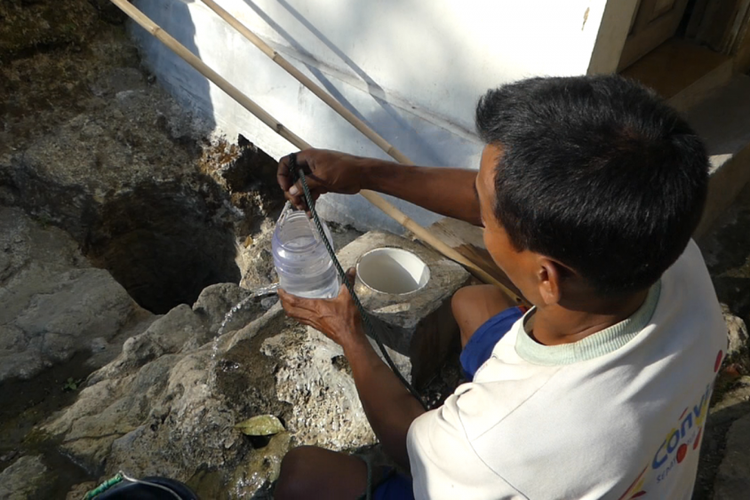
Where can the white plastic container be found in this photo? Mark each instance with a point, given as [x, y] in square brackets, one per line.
[392, 271]
[301, 259]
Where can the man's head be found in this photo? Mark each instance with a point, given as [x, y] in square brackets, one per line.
[594, 175]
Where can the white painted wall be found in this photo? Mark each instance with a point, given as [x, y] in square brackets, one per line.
[413, 69]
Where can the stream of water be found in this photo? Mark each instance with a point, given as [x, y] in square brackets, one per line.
[254, 294]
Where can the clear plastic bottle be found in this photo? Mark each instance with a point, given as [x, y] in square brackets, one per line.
[301, 259]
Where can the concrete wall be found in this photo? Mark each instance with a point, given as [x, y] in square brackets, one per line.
[412, 69]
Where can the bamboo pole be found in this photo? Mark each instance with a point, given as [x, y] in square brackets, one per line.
[347, 115]
[371, 196]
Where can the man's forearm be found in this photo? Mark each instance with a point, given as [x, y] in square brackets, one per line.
[389, 406]
[447, 191]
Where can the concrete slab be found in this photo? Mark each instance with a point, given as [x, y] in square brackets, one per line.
[419, 325]
[723, 120]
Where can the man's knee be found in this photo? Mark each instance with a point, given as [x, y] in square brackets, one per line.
[473, 305]
[295, 475]
[461, 307]
[461, 302]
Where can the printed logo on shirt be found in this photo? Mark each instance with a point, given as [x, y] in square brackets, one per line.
[679, 441]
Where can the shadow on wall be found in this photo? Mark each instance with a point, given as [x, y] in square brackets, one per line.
[426, 152]
[159, 241]
[185, 83]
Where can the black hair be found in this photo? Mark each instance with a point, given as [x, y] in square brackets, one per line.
[598, 173]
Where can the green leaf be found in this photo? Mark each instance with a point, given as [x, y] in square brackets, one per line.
[261, 425]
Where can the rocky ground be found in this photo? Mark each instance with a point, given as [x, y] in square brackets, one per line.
[127, 232]
[118, 212]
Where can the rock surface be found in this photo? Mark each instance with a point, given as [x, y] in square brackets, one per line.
[314, 378]
[738, 352]
[733, 478]
[109, 170]
[28, 25]
[168, 405]
[92, 145]
[54, 303]
[27, 478]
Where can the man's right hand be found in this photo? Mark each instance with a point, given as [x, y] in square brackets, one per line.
[446, 191]
[325, 172]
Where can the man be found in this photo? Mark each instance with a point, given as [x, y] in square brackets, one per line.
[589, 189]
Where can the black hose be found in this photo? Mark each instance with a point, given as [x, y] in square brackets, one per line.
[366, 320]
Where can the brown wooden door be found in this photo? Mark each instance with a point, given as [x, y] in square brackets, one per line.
[653, 22]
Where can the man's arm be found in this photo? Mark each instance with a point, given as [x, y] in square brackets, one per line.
[443, 190]
[389, 406]
[447, 191]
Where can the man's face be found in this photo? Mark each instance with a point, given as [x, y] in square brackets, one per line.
[519, 266]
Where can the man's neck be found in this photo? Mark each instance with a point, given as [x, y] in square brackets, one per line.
[555, 325]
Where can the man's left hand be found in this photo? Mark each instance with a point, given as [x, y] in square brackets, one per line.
[337, 318]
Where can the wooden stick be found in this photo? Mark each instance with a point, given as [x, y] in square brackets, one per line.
[347, 115]
[374, 198]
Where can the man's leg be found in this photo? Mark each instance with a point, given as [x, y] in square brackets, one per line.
[473, 305]
[317, 473]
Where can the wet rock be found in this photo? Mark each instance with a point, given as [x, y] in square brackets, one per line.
[262, 469]
[170, 402]
[27, 478]
[54, 304]
[214, 302]
[325, 406]
[733, 477]
[118, 413]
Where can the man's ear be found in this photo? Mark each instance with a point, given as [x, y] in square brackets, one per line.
[549, 280]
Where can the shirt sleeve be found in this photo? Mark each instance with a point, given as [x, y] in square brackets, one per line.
[443, 463]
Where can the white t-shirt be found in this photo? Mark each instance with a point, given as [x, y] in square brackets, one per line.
[617, 415]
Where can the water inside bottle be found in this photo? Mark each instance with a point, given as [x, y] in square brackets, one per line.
[301, 260]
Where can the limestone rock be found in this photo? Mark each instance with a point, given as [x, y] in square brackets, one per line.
[54, 303]
[169, 403]
[215, 300]
[733, 477]
[313, 378]
[161, 374]
[27, 478]
[739, 342]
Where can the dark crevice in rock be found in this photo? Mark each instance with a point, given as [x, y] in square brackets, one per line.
[160, 242]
